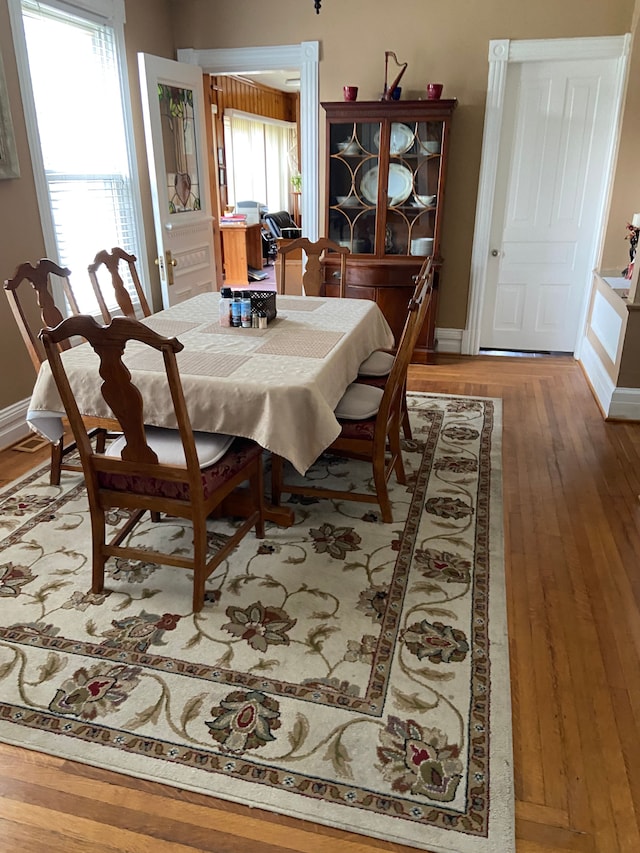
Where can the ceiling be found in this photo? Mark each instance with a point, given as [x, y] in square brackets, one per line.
[285, 80]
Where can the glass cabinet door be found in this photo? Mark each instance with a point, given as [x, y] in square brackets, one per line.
[412, 161]
[353, 168]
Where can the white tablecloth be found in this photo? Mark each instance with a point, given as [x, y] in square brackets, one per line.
[278, 386]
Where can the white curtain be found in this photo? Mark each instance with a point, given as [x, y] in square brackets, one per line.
[257, 159]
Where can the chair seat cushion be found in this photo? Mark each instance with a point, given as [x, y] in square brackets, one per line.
[359, 402]
[358, 429]
[379, 363]
[167, 445]
[242, 452]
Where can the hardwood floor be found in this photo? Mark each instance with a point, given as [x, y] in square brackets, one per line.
[572, 538]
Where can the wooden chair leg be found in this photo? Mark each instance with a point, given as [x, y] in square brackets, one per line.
[199, 561]
[256, 485]
[277, 464]
[406, 423]
[382, 492]
[97, 548]
[101, 440]
[56, 464]
[396, 452]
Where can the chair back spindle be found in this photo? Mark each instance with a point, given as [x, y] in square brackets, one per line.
[316, 251]
[111, 261]
[39, 276]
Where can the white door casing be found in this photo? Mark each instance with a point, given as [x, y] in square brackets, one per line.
[553, 109]
[305, 58]
[549, 191]
[184, 238]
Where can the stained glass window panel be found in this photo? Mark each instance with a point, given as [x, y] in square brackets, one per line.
[180, 150]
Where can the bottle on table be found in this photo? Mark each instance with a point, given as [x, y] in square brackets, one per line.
[236, 311]
[245, 312]
[226, 295]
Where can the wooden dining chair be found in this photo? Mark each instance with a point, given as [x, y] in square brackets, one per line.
[172, 471]
[312, 277]
[375, 369]
[111, 261]
[370, 420]
[39, 277]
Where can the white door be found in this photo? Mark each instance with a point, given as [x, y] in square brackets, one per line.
[551, 182]
[174, 123]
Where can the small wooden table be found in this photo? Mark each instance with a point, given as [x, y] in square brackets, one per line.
[241, 248]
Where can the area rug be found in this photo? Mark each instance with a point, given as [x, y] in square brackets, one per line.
[343, 671]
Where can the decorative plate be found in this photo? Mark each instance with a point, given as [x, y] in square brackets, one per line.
[399, 184]
[401, 139]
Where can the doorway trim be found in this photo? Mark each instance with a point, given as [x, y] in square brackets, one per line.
[303, 57]
[501, 53]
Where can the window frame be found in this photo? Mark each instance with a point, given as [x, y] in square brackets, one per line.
[105, 12]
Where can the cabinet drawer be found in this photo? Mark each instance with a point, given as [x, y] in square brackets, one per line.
[333, 289]
[382, 275]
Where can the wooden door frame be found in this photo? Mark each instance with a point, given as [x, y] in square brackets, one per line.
[502, 52]
[303, 56]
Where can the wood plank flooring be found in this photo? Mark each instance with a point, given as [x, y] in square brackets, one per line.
[572, 538]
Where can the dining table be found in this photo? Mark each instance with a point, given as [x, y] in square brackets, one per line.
[277, 385]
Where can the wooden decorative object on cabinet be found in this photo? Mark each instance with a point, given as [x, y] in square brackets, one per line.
[384, 198]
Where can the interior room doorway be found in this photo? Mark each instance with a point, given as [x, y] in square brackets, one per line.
[305, 58]
[551, 125]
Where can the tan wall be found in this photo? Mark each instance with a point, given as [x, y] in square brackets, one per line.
[625, 200]
[20, 232]
[446, 42]
[148, 29]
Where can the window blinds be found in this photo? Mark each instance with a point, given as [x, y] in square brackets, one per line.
[75, 79]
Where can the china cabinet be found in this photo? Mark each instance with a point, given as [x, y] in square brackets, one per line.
[384, 197]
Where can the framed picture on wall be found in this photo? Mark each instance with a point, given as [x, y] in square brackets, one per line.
[9, 166]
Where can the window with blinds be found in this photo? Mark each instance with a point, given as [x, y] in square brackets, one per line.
[259, 159]
[75, 79]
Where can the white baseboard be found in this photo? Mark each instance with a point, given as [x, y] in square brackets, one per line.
[13, 424]
[625, 404]
[601, 383]
[619, 403]
[449, 340]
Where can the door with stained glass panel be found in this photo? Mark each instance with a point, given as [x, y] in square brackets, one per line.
[174, 119]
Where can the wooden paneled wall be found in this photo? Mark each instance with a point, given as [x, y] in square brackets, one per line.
[240, 94]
